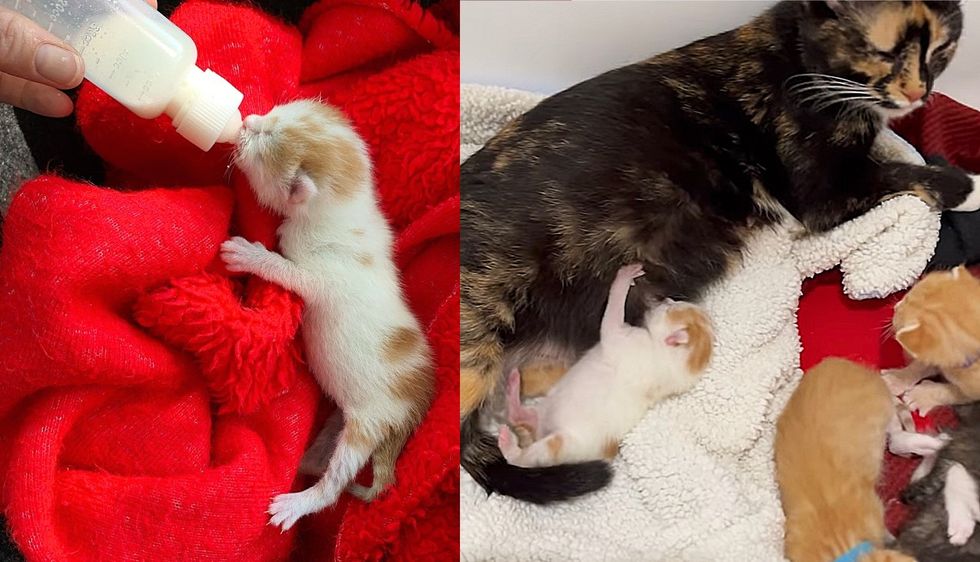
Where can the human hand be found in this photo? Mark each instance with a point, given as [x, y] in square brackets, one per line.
[35, 66]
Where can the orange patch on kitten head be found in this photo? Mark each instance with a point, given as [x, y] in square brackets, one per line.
[938, 320]
[700, 335]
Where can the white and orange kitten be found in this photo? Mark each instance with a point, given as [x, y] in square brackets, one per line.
[363, 344]
[606, 393]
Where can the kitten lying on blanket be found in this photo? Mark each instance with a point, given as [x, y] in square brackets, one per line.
[305, 161]
[607, 392]
[943, 531]
[830, 440]
[938, 324]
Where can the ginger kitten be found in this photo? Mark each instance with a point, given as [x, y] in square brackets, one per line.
[830, 440]
[938, 325]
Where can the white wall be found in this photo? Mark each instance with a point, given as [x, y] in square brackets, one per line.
[546, 46]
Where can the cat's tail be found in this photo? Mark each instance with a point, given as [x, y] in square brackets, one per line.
[482, 459]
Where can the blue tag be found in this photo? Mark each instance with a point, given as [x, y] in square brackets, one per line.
[855, 553]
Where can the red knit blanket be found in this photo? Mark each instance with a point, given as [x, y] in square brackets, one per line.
[152, 406]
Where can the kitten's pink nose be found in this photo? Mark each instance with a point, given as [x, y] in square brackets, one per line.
[252, 122]
[914, 94]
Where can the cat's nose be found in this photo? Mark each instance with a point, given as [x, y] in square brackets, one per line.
[914, 94]
[252, 122]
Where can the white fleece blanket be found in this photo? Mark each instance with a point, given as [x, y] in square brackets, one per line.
[694, 481]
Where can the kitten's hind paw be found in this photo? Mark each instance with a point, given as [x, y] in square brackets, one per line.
[286, 509]
[507, 442]
[960, 529]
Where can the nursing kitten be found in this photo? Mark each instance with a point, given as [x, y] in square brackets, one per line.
[938, 325]
[830, 440]
[608, 391]
[363, 344]
[673, 162]
[944, 529]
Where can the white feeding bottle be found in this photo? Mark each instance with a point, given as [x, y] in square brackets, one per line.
[143, 61]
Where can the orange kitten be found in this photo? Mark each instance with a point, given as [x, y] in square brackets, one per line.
[938, 324]
[830, 440]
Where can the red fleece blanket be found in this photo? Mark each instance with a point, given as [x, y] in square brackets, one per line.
[152, 406]
[831, 325]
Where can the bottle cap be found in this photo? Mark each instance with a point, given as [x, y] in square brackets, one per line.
[205, 109]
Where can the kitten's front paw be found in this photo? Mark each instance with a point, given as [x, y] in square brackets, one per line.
[960, 529]
[628, 273]
[286, 509]
[241, 255]
[924, 396]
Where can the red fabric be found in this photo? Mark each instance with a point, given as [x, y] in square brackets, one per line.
[832, 325]
[152, 406]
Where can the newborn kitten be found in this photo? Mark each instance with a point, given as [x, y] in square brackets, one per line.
[938, 324]
[607, 392]
[305, 161]
[830, 440]
[943, 531]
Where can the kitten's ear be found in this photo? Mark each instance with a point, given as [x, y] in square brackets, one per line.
[960, 271]
[678, 337]
[913, 339]
[301, 189]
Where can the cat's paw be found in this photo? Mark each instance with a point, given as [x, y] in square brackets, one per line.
[972, 201]
[241, 255]
[286, 509]
[960, 529]
[924, 396]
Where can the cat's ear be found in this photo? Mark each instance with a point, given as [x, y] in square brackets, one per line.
[960, 271]
[678, 338]
[301, 188]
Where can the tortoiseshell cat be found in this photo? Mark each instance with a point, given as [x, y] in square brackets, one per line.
[673, 162]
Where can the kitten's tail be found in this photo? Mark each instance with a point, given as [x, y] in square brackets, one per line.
[483, 460]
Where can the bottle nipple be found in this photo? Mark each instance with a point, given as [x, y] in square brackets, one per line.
[205, 109]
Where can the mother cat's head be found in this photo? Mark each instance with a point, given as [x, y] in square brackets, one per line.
[884, 54]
